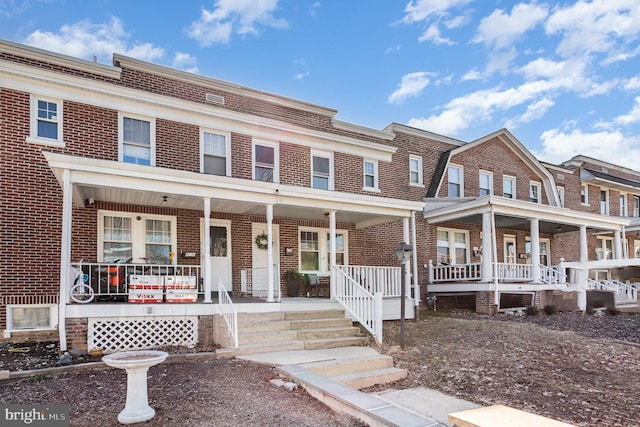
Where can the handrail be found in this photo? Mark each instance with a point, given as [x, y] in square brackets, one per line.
[362, 305]
[553, 276]
[228, 311]
[513, 271]
[383, 279]
[625, 290]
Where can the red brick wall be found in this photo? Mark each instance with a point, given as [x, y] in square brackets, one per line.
[177, 145]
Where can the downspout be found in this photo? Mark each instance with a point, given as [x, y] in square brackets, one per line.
[416, 286]
[208, 280]
[65, 256]
[494, 238]
[270, 278]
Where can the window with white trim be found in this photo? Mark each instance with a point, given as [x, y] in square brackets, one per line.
[455, 181]
[636, 206]
[560, 191]
[415, 170]
[544, 245]
[136, 238]
[136, 140]
[265, 161]
[370, 169]
[315, 246]
[604, 202]
[322, 170]
[31, 316]
[604, 248]
[584, 194]
[46, 121]
[623, 205]
[452, 246]
[215, 153]
[509, 187]
[535, 189]
[485, 180]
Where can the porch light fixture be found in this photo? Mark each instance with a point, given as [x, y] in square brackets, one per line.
[403, 252]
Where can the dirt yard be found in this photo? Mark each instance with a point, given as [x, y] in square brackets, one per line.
[584, 370]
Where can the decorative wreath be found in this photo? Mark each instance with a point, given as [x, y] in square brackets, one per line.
[262, 241]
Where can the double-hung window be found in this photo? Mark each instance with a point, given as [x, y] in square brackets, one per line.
[137, 140]
[46, 121]
[265, 162]
[322, 170]
[534, 192]
[453, 246]
[485, 180]
[623, 205]
[415, 170]
[560, 191]
[215, 153]
[636, 206]
[604, 249]
[370, 168]
[124, 236]
[455, 188]
[604, 202]
[509, 187]
[315, 250]
[584, 194]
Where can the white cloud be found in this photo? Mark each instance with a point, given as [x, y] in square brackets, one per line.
[472, 75]
[534, 111]
[410, 86]
[85, 39]
[433, 34]
[234, 16]
[421, 10]
[457, 21]
[186, 62]
[632, 116]
[392, 49]
[500, 61]
[559, 146]
[597, 26]
[632, 84]
[501, 29]
[9, 8]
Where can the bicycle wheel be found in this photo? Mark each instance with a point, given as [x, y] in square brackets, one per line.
[81, 293]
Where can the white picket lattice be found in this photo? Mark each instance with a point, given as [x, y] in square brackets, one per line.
[137, 333]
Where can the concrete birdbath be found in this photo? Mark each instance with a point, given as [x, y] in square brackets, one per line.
[137, 363]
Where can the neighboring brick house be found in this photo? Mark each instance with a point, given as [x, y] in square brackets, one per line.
[148, 173]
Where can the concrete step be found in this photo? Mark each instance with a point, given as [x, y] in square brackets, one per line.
[350, 365]
[272, 325]
[304, 315]
[334, 342]
[260, 317]
[267, 347]
[363, 379]
[314, 334]
[266, 336]
[337, 322]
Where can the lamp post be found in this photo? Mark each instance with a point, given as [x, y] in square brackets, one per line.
[403, 252]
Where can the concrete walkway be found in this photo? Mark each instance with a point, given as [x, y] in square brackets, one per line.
[419, 407]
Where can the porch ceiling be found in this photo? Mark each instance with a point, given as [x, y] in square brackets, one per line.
[515, 223]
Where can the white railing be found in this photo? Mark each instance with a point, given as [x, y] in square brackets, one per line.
[453, 273]
[387, 280]
[514, 272]
[363, 306]
[228, 311]
[604, 285]
[111, 281]
[553, 276]
[254, 282]
[624, 291]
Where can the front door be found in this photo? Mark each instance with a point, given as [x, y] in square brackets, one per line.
[220, 247]
[510, 249]
[260, 258]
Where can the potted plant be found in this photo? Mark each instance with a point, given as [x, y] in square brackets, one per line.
[294, 279]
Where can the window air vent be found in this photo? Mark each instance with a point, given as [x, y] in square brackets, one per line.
[216, 99]
[605, 170]
[560, 177]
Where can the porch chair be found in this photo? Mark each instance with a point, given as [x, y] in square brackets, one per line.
[312, 282]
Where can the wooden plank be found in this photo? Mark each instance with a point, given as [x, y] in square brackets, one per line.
[499, 416]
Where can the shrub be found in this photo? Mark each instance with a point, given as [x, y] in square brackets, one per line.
[550, 309]
[532, 310]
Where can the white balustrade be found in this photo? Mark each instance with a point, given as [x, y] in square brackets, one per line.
[228, 311]
[374, 279]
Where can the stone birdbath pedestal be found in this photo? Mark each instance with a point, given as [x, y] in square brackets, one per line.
[137, 363]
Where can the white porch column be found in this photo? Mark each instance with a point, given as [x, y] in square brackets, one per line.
[535, 248]
[487, 237]
[406, 238]
[65, 256]
[414, 245]
[332, 252]
[618, 245]
[584, 255]
[494, 255]
[625, 243]
[207, 251]
[270, 281]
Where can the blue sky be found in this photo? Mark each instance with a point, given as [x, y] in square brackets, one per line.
[563, 77]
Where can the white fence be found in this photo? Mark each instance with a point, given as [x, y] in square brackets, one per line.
[453, 273]
[363, 306]
[374, 279]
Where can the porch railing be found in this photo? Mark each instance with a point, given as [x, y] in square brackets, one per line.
[553, 276]
[254, 282]
[623, 291]
[515, 272]
[363, 306]
[453, 273]
[228, 312]
[627, 291]
[374, 279]
[116, 282]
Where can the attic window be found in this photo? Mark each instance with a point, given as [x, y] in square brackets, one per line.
[605, 170]
[216, 99]
[560, 177]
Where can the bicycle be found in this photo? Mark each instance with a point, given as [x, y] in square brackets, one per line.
[81, 292]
